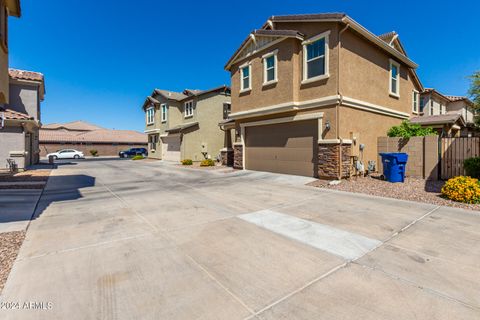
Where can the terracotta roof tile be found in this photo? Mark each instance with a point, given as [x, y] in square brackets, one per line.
[94, 136]
[171, 94]
[280, 33]
[300, 17]
[25, 75]
[438, 119]
[74, 125]
[388, 37]
[14, 115]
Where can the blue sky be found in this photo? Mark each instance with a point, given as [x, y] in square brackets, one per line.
[101, 58]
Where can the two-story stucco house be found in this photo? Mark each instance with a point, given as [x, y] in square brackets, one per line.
[311, 94]
[451, 116]
[19, 136]
[7, 8]
[185, 125]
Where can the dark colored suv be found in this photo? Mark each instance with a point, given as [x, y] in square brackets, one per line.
[133, 152]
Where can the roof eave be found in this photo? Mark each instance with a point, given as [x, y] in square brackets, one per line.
[14, 8]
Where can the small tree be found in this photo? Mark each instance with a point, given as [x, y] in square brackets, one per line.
[474, 93]
[94, 152]
[408, 130]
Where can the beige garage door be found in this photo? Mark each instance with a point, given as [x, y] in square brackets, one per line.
[289, 148]
[171, 148]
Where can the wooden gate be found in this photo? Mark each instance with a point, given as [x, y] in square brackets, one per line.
[454, 151]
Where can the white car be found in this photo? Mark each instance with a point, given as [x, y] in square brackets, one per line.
[66, 154]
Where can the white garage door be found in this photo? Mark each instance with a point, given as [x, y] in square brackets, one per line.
[171, 148]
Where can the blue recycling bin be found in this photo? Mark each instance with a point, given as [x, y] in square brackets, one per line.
[394, 166]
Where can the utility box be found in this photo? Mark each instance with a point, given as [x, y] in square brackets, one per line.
[355, 137]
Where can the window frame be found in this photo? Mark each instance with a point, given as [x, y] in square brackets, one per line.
[273, 54]
[415, 101]
[431, 107]
[390, 78]
[188, 114]
[242, 78]
[325, 35]
[164, 115]
[150, 113]
[153, 141]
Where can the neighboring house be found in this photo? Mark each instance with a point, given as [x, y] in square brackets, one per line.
[20, 119]
[312, 93]
[27, 91]
[185, 125]
[84, 137]
[7, 8]
[451, 116]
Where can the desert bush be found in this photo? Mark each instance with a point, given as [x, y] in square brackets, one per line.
[408, 130]
[207, 163]
[94, 152]
[138, 157]
[472, 167]
[462, 189]
[187, 162]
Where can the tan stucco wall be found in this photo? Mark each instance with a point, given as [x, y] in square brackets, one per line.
[365, 74]
[462, 108]
[369, 127]
[429, 99]
[4, 79]
[422, 153]
[262, 96]
[321, 88]
[12, 138]
[208, 113]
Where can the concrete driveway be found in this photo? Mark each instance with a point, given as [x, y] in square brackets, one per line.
[119, 239]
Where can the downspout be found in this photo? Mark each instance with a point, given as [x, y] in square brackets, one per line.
[339, 94]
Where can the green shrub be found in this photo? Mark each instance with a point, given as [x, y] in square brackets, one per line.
[408, 130]
[94, 152]
[138, 157]
[472, 167]
[187, 162]
[462, 189]
[207, 163]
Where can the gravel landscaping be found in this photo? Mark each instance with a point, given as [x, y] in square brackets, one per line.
[10, 243]
[413, 189]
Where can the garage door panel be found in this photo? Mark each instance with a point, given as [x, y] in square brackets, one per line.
[283, 148]
[171, 148]
[294, 168]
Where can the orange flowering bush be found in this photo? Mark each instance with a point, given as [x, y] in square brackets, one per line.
[462, 189]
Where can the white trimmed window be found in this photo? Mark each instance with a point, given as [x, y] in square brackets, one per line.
[164, 110]
[431, 107]
[152, 141]
[415, 101]
[441, 108]
[270, 68]
[151, 115]
[245, 78]
[315, 58]
[394, 78]
[188, 106]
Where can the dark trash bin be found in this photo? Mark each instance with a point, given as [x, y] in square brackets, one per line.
[394, 166]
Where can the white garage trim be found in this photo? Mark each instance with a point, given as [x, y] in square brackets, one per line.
[299, 117]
